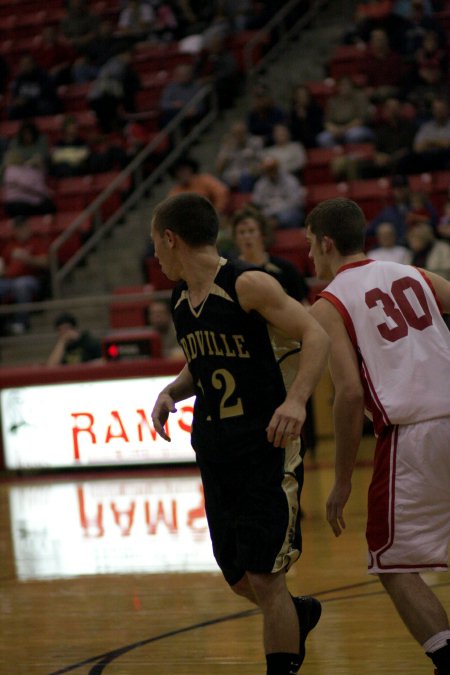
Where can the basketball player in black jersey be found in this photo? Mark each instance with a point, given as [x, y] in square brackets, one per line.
[241, 335]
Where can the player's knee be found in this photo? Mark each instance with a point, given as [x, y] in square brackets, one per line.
[243, 589]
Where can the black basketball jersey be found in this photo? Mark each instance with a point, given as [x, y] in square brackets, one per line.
[233, 358]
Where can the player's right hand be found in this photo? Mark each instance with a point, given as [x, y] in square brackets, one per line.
[163, 407]
[335, 506]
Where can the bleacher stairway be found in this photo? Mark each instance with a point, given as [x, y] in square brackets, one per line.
[117, 260]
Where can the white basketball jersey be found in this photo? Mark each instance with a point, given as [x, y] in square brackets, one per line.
[403, 345]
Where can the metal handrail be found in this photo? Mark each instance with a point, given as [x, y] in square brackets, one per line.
[277, 21]
[57, 272]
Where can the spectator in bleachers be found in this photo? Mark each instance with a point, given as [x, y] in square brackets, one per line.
[397, 212]
[238, 12]
[291, 155]
[194, 15]
[73, 345]
[32, 91]
[383, 68]
[239, 158]
[79, 25]
[279, 195]
[264, 114]
[418, 212]
[217, 65]
[251, 236]
[25, 191]
[30, 142]
[414, 26]
[443, 226]
[428, 77]
[428, 252]
[189, 179]
[23, 271]
[387, 248]
[106, 45]
[55, 56]
[347, 114]
[178, 93]
[136, 19]
[160, 319]
[305, 117]
[114, 88]
[393, 140]
[70, 154]
[431, 146]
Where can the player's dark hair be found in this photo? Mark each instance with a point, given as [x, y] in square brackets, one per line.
[342, 220]
[191, 217]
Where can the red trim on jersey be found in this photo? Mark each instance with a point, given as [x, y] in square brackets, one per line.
[380, 520]
[373, 403]
[344, 314]
[429, 282]
[358, 263]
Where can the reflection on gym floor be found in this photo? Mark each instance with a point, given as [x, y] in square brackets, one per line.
[114, 526]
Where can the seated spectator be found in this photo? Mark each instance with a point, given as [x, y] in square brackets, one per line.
[114, 88]
[383, 68]
[189, 179]
[431, 146]
[251, 235]
[305, 117]
[25, 192]
[428, 78]
[443, 226]
[396, 212]
[194, 16]
[178, 93]
[239, 158]
[24, 268]
[346, 117]
[217, 65]
[291, 155]
[414, 26]
[387, 248]
[70, 154]
[135, 19]
[264, 114]
[279, 195]
[107, 44]
[418, 211]
[55, 56]
[428, 252]
[30, 142]
[32, 91]
[160, 318]
[393, 141]
[79, 25]
[73, 345]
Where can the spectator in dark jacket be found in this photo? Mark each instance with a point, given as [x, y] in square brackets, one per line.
[32, 91]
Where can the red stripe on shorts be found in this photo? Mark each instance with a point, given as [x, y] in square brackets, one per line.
[380, 520]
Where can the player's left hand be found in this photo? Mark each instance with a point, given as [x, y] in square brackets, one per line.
[286, 423]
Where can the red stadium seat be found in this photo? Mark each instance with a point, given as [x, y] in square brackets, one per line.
[132, 313]
[292, 245]
[371, 195]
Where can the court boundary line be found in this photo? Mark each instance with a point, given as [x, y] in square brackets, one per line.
[101, 661]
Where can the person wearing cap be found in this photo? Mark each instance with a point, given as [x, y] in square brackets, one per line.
[279, 195]
[73, 345]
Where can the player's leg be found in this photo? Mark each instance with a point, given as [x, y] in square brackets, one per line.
[423, 615]
[280, 621]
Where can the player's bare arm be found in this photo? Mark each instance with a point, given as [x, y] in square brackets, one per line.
[178, 390]
[259, 292]
[442, 289]
[348, 409]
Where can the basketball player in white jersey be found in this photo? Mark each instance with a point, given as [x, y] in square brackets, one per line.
[390, 355]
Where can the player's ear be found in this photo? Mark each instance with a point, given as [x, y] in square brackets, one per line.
[170, 237]
[326, 244]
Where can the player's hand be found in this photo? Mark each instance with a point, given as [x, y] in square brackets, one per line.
[286, 423]
[163, 407]
[335, 506]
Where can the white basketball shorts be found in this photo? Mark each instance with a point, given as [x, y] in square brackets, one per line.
[408, 526]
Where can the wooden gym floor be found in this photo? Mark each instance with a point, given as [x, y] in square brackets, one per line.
[113, 574]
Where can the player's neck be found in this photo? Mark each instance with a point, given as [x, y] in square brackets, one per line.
[200, 271]
[340, 261]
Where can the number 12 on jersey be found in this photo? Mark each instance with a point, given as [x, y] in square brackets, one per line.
[223, 381]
